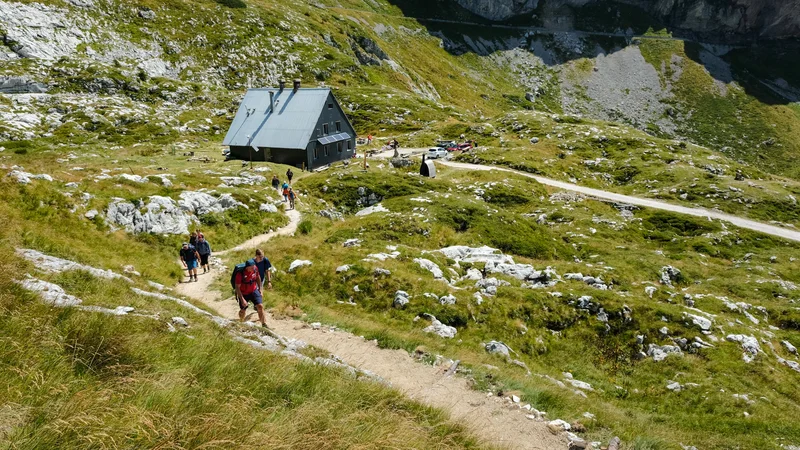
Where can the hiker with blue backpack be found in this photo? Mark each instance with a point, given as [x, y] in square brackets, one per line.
[247, 284]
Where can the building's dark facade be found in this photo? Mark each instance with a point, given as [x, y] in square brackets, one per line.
[300, 127]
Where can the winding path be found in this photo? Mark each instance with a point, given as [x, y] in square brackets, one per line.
[785, 233]
[773, 230]
[489, 418]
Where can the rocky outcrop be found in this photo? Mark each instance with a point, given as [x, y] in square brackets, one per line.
[499, 9]
[52, 264]
[710, 19]
[401, 299]
[438, 328]
[298, 263]
[749, 345]
[21, 85]
[26, 178]
[36, 31]
[201, 203]
[367, 51]
[161, 215]
[245, 179]
[476, 255]
[430, 266]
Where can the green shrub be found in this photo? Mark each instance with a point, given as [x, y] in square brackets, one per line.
[233, 3]
[305, 227]
[624, 175]
[506, 195]
[664, 225]
[649, 443]
[519, 237]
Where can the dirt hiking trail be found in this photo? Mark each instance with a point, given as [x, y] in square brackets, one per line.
[773, 230]
[781, 232]
[490, 419]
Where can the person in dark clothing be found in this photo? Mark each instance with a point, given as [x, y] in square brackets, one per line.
[248, 289]
[292, 196]
[193, 238]
[204, 250]
[289, 175]
[263, 265]
[276, 183]
[189, 257]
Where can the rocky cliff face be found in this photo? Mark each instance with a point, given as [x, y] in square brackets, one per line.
[720, 19]
[499, 9]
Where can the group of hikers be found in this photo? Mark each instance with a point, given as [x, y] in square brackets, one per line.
[195, 253]
[285, 188]
[247, 279]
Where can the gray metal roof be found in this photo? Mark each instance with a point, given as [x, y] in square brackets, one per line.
[289, 126]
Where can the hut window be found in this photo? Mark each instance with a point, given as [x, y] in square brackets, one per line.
[324, 128]
[338, 126]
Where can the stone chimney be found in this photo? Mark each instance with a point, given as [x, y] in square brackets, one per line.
[281, 84]
[296, 85]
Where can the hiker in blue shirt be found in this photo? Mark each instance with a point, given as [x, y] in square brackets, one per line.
[263, 265]
[204, 250]
[189, 258]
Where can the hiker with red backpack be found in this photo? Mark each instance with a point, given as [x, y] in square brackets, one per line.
[247, 284]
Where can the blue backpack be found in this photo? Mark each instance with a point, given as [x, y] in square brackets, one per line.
[239, 268]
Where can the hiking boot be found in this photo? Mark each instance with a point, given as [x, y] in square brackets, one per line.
[264, 325]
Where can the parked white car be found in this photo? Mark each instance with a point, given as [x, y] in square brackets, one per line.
[436, 153]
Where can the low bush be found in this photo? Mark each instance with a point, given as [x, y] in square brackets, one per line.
[305, 227]
[233, 3]
[664, 225]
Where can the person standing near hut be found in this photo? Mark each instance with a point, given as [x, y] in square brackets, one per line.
[289, 175]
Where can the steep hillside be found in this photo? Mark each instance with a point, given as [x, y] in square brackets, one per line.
[714, 20]
[151, 79]
[670, 331]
